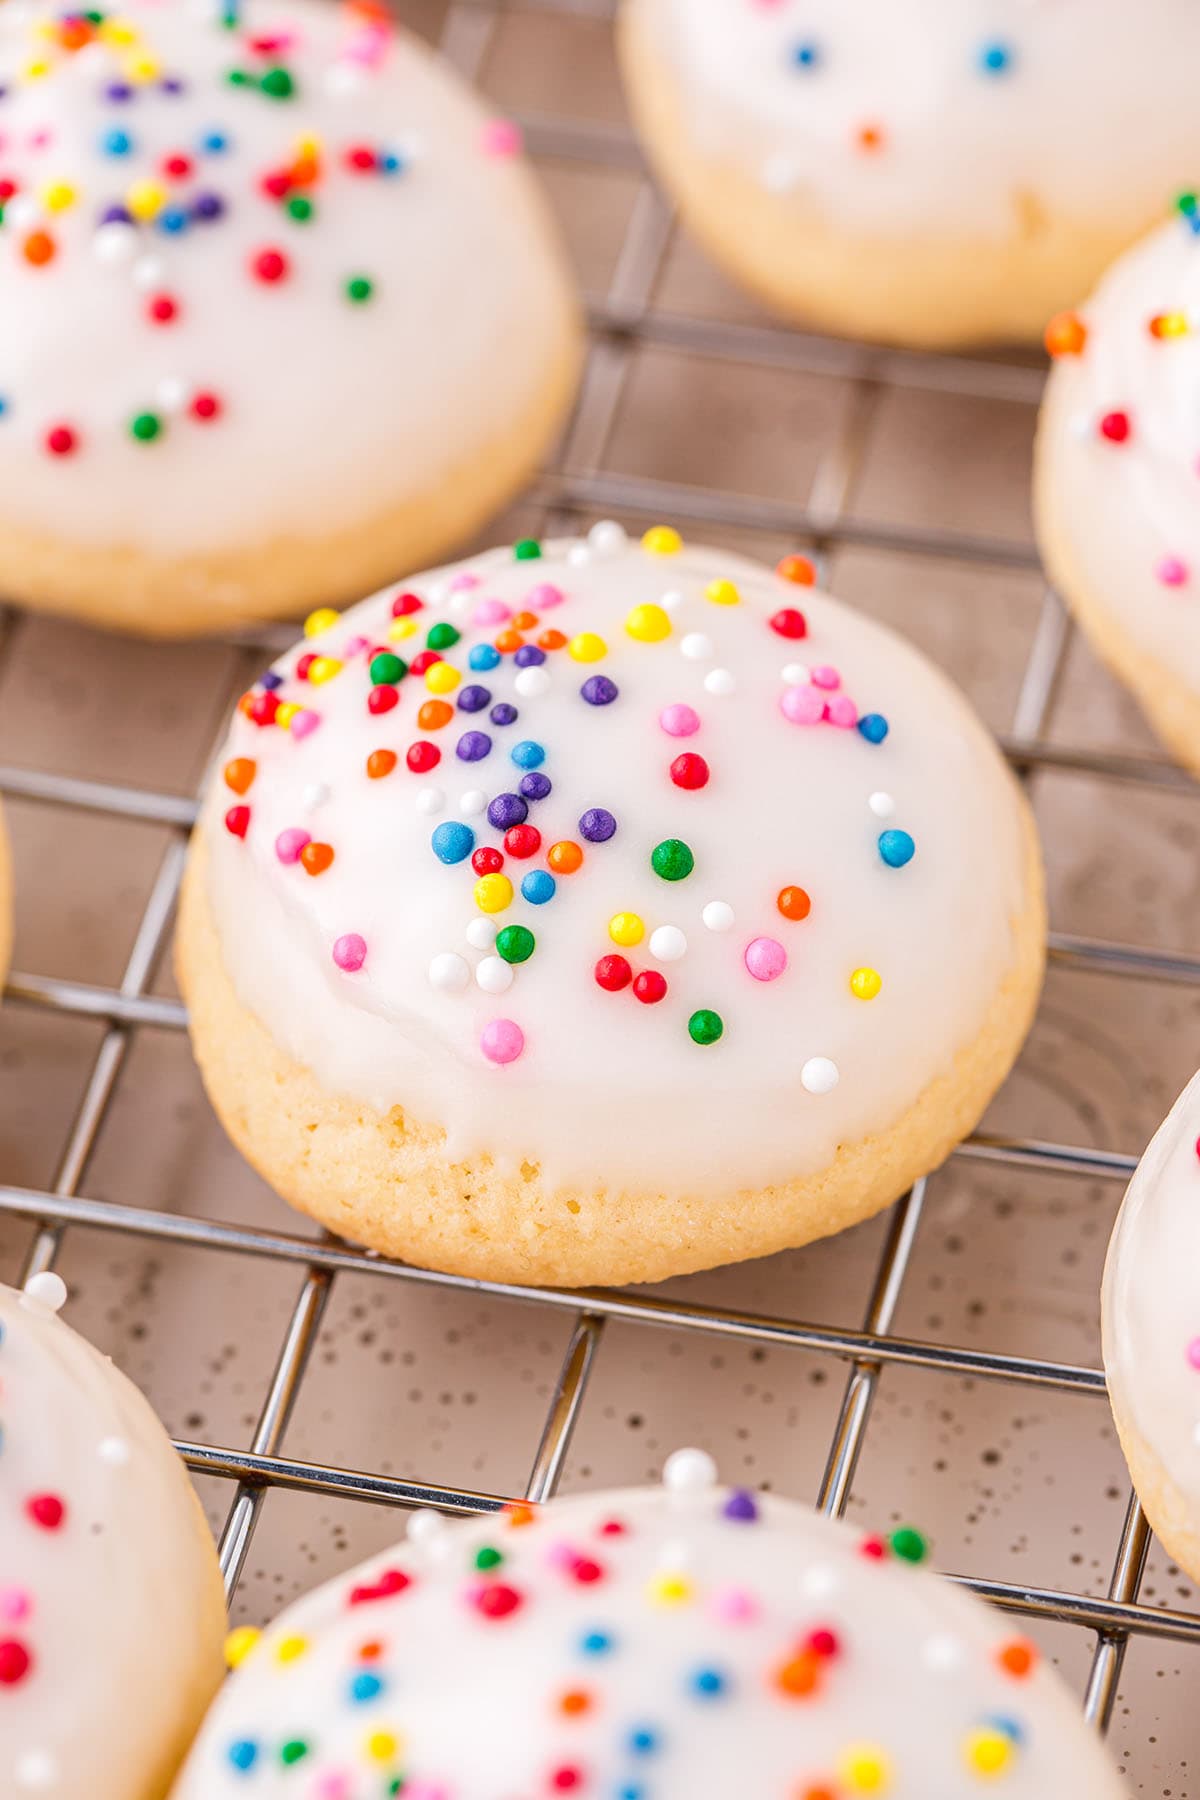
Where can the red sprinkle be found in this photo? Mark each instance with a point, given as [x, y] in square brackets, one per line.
[689, 771]
[823, 1642]
[14, 1662]
[205, 406]
[424, 659]
[237, 819]
[61, 440]
[177, 167]
[381, 699]
[406, 604]
[523, 840]
[563, 1780]
[392, 1581]
[161, 309]
[269, 265]
[361, 158]
[263, 707]
[789, 623]
[46, 1510]
[873, 1548]
[613, 973]
[585, 1570]
[497, 1600]
[487, 860]
[422, 756]
[305, 664]
[1115, 426]
[649, 986]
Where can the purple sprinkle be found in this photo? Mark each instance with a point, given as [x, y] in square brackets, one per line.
[171, 84]
[598, 690]
[270, 680]
[473, 698]
[116, 215]
[529, 656]
[506, 810]
[118, 91]
[742, 1506]
[535, 785]
[473, 746]
[597, 825]
[207, 206]
[503, 714]
[3, 93]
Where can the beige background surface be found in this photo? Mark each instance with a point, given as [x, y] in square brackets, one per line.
[1015, 1483]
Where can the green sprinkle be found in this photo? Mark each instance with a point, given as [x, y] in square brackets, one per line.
[705, 1027]
[515, 943]
[145, 427]
[672, 859]
[909, 1545]
[293, 1751]
[386, 667]
[300, 208]
[277, 84]
[1186, 203]
[488, 1558]
[441, 637]
[240, 78]
[527, 550]
[358, 289]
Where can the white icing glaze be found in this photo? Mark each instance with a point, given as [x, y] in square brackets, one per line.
[1150, 1314]
[1127, 514]
[1090, 114]
[110, 1597]
[606, 1089]
[332, 412]
[701, 1614]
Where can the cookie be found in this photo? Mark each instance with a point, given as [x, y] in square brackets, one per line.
[291, 314]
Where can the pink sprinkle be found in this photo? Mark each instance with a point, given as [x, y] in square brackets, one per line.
[502, 1041]
[501, 138]
[290, 843]
[1193, 1353]
[1172, 571]
[332, 1786]
[562, 1556]
[368, 46]
[304, 722]
[464, 581]
[842, 711]
[545, 596]
[766, 958]
[803, 705]
[355, 646]
[41, 140]
[425, 1790]
[679, 720]
[15, 1603]
[733, 1606]
[825, 677]
[491, 612]
[350, 952]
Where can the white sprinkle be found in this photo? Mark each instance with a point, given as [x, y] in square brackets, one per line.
[820, 1581]
[47, 1290]
[114, 1451]
[494, 975]
[674, 1556]
[718, 915]
[430, 800]
[942, 1654]
[695, 646]
[112, 244]
[472, 802]
[147, 273]
[425, 1526]
[796, 674]
[22, 211]
[449, 972]
[578, 555]
[36, 1769]
[819, 1075]
[458, 603]
[171, 394]
[672, 600]
[668, 943]
[719, 681]
[314, 795]
[1079, 425]
[529, 683]
[481, 933]
[779, 173]
[342, 80]
[882, 805]
[689, 1472]
[607, 538]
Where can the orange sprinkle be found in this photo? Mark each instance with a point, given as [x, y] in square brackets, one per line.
[370, 1652]
[245, 703]
[794, 903]
[73, 34]
[1018, 1657]
[1066, 334]
[316, 858]
[816, 1793]
[434, 714]
[1169, 325]
[518, 1513]
[240, 773]
[564, 858]
[380, 763]
[552, 640]
[509, 640]
[575, 1702]
[799, 1676]
[38, 248]
[799, 569]
[870, 137]
[525, 621]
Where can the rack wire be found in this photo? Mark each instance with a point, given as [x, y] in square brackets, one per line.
[622, 320]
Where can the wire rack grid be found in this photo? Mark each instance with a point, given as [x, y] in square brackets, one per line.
[576, 487]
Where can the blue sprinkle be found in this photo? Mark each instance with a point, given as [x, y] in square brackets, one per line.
[365, 1686]
[504, 714]
[596, 1643]
[473, 698]
[3, 410]
[896, 848]
[214, 143]
[116, 142]
[172, 219]
[527, 754]
[452, 841]
[874, 727]
[243, 1754]
[1011, 1728]
[632, 1790]
[806, 56]
[535, 785]
[643, 1740]
[538, 887]
[708, 1683]
[995, 59]
[270, 680]
[483, 656]
[389, 163]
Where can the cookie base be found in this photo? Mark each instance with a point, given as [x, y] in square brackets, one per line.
[127, 589]
[384, 1181]
[923, 292]
[1172, 1520]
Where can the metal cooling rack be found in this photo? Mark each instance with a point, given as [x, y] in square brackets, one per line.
[623, 319]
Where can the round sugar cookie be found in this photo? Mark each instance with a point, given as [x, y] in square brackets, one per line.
[599, 910]
[111, 1607]
[284, 312]
[1118, 474]
[1151, 1328]
[932, 174]
[687, 1642]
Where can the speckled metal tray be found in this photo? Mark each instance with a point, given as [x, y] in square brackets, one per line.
[938, 1365]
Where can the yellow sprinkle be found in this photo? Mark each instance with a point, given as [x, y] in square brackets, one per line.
[382, 1746]
[143, 67]
[308, 145]
[865, 1769]
[289, 1649]
[320, 621]
[587, 647]
[493, 893]
[285, 713]
[146, 199]
[648, 624]
[442, 678]
[401, 628]
[722, 593]
[57, 196]
[987, 1751]
[45, 28]
[864, 983]
[669, 1590]
[324, 668]
[662, 540]
[118, 31]
[239, 1644]
[626, 929]
[34, 71]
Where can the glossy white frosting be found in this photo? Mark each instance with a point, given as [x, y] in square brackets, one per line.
[332, 412]
[110, 1597]
[646, 1655]
[1126, 514]
[989, 112]
[607, 1090]
[1150, 1313]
